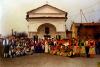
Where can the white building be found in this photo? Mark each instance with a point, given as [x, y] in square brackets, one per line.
[46, 21]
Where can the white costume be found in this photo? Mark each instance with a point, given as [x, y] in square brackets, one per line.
[46, 47]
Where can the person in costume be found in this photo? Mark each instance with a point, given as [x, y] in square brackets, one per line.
[46, 46]
[98, 46]
[92, 48]
[82, 47]
[18, 49]
[87, 46]
[6, 47]
[62, 49]
[75, 47]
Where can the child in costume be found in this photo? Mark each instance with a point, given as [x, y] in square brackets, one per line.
[92, 48]
[82, 48]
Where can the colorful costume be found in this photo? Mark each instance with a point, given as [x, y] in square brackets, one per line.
[46, 47]
[87, 48]
[82, 48]
[92, 48]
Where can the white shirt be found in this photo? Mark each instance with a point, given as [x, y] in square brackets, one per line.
[5, 42]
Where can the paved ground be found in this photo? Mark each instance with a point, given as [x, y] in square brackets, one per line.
[46, 60]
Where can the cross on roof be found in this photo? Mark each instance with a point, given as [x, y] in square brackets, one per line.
[46, 2]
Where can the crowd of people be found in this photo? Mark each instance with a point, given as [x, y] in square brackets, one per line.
[15, 47]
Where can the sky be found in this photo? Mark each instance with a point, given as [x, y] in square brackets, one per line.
[13, 12]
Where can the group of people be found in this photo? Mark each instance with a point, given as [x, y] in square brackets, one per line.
[14, 47]
[75, 48]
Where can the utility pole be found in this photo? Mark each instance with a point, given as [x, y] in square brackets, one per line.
[82, 14]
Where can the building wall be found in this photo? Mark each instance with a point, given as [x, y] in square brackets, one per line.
[89, 30]
[47, 15]
[74, 30]
[58, 23]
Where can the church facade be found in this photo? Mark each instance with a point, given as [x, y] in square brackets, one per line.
[46, 21]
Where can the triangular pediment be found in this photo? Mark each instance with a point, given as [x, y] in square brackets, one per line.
[46, 9]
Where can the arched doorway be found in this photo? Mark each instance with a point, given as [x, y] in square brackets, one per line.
[46, 30]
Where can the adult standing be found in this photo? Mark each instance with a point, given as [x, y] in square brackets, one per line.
[1, 47]
[87, 47]
[82, 48]
[92, 47]
[98, 47]
[76, 48]
[6, 47]
[46, 46]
